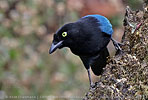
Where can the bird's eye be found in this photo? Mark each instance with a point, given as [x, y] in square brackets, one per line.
[64, 34]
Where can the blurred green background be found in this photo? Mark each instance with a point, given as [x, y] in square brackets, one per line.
[26, 30]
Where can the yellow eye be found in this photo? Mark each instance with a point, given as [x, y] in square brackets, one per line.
[64, 34]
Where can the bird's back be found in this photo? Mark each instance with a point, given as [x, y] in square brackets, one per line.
[104, 23]
[91, 38]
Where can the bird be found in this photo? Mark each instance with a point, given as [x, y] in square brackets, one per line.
[87, 38]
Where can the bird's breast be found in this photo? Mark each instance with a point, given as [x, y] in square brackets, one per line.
[84, 50]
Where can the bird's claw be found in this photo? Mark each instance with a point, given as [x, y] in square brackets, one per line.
[92, 85]
[117, 44]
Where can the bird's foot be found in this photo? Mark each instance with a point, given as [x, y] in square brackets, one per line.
[117, 44]
[90, 81]
[92, 85]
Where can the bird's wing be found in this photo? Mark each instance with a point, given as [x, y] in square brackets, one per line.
[100, 62]
[86, 61]
[104, 23]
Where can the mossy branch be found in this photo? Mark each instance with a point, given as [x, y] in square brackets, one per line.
[126, 74]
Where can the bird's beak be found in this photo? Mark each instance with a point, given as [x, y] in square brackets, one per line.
[55, 46]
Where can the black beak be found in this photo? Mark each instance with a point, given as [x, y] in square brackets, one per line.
[55, 46]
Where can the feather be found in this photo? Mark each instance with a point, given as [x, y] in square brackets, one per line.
[105, 25]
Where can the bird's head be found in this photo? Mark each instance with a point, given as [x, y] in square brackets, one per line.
[84, 35]
[64, 37]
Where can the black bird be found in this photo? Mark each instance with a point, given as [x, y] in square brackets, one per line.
[88, 38]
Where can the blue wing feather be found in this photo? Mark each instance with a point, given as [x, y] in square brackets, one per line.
[105, 25]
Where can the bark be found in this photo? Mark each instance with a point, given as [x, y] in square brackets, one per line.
[126, 74]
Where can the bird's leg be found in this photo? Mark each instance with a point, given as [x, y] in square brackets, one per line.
[89, 76]
[117, 44]
[86, 62]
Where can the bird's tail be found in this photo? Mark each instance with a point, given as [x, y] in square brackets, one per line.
[100, 62]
